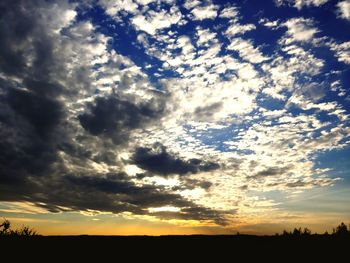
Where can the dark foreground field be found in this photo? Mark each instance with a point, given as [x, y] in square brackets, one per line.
[168, 248]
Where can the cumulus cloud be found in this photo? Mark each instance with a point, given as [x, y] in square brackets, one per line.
[300, 29]
[189, 4]
[229, 12]
[344, 9]
[113, 8]
[154, 21]
[209, 11]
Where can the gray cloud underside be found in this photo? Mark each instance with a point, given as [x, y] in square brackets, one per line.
[38, 130]
[158, 161]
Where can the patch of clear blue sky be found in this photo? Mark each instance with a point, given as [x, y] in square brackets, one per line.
[336, 160]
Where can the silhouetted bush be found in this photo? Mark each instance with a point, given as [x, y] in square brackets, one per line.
[306, 232]
[5, 230]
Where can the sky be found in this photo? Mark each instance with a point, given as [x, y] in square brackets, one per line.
[153, 117]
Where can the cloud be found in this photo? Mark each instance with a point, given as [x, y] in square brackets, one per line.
[206, 112]
[154, 21]
[246, 50]
[209, 11]
[342, 51]
[116, 118]
[145, 2]
[56, 131]
[113, 193]
[41, 112]
[191, 184]
[183, 117]
[299, 4]
[32, 112]
[270, 24]
[285, 73]
[271, 171]
[205, 37]
[344, 9]
[238, 29]
[189, 4]
[229, 12]
[157, 160]
[300, 29]
[195, 213]
[113, 8]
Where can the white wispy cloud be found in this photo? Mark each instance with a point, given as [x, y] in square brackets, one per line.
[229, 12]
[270, 24]
[237, 29]
[246, 50]
[299, 4]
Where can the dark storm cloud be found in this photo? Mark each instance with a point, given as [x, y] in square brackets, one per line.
[121, 189]
[157, 160]
[31, 115]
[15, 27]
[195, 213]
[115, 118]
[26, 50]
[111, 193]
[41, 112]
[190, 184]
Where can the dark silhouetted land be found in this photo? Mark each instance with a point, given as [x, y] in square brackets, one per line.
[297, 245]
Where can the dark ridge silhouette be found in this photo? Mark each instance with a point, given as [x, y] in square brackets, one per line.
[299, 244]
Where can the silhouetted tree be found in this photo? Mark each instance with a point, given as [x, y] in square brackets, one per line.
[341, 230]
[286, 233]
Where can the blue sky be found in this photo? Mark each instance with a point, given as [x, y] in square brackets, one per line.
[182, 116]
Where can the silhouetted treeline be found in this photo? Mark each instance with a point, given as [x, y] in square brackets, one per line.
[296, 245]
[340, 230]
